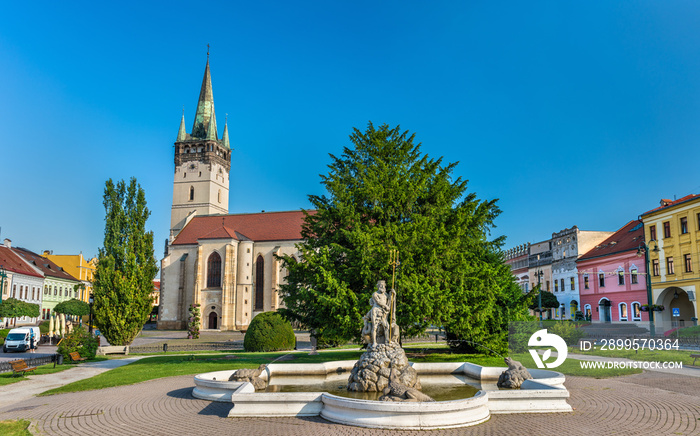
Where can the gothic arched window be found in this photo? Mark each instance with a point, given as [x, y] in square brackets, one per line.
[191, 193]
[214, 271]
[259, 282]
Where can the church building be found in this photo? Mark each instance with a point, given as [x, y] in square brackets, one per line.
[224, 262]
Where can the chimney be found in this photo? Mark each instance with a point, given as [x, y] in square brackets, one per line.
[7, 243]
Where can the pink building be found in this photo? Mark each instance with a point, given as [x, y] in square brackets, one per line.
[612, 278]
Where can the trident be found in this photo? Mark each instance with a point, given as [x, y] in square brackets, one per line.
[394, 262]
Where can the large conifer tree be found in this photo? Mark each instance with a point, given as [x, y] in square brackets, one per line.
[384, 194]
[126, 267]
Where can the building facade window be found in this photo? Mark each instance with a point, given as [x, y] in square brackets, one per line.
[655, 267]
[561, 282]
[214, 270]
[652, 233]
[633, 276]
[623, 311]
[667, 229]
[556, 286]
[684, 225]
[636, 311]
[259, 283]
[601, 279]
[688, 263]
[669, 266]
[620, 277]
[191, 193]
[573, 284]
[585, 281]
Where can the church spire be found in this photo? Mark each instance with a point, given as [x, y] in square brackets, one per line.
[205, 118]
[224, 138]
[182, 134]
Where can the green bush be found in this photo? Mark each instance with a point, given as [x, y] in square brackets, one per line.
[78, 340]
[568, 331]
[519, 334]
[3, 335]
[269, 332]
[44, 327]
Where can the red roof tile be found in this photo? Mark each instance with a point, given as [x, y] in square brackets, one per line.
[265, 226]
[48, 267]
[628, 238]
[11, 261]
[669, 203]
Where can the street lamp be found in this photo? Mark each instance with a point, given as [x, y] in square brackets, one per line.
[644, 251]
[3, 276]
[91, 300]
[539, 285]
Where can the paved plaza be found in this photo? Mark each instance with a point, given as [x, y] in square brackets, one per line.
[651, 403]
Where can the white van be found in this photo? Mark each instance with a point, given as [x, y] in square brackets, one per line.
[19, 339]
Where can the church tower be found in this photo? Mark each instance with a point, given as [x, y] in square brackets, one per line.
[202, 164]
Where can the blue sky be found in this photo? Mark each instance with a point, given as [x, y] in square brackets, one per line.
[570, 113]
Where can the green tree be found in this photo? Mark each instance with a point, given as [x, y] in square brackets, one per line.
[73, 307]
[126, 266]
[549, 300]
[14, 308]
[384, 194]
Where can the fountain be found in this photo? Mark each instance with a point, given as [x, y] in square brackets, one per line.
[384, 368]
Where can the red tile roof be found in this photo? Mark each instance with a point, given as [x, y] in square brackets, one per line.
[628, 238]
[11, 261]
[669, 203]
[48, 267]
[265, 226]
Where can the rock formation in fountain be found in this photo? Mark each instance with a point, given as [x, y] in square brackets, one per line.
[250, 375]
[372, 372]
[514, 376]
[397, 391]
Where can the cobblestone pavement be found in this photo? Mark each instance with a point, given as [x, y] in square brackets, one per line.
[642, 404]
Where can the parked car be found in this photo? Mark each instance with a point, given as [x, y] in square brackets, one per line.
[19, 339]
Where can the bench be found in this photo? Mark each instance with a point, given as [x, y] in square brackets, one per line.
[20, 366]
[75, 357]
[113, 349]
[695, 357]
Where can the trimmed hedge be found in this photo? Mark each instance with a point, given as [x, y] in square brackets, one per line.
[269, 332]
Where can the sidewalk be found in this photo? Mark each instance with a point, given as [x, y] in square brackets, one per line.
[37, 384]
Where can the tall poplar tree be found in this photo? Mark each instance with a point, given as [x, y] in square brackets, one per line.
[384, 194]
[126, 266]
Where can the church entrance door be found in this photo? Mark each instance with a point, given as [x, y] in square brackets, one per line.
[212, 320]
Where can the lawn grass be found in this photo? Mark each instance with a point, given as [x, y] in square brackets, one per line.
[642, 355]
[9, 378]
[15, 428]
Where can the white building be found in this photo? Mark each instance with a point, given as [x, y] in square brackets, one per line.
[567, 246]
[24, 281]
[226, 263]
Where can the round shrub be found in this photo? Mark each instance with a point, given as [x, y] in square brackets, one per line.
[79, 340]
[269, 332]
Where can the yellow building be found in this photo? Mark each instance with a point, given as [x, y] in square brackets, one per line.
[77, 266]
[673, 234]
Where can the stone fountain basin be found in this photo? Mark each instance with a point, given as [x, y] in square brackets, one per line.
[544, 394]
